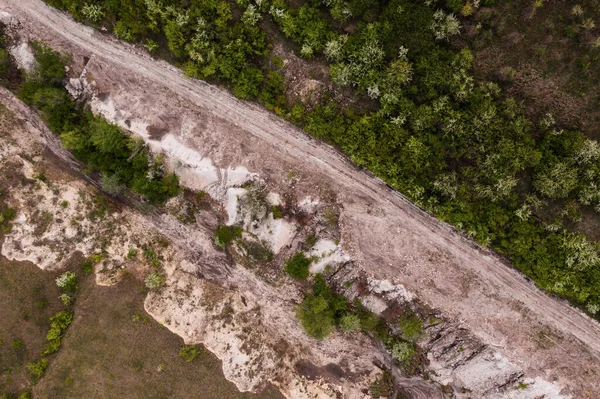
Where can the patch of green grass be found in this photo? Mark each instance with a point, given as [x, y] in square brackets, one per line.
[139, 317]
[277, 214]
[5, 217]
[40, 177]
[153, 280]
[330, 216]
[132, 253]
[16, 344]
[311, 240]
[41, 304]
[25, 290]
[152, 256]
[258, 252]
[383, 386]
[402, 351]
[189, 352]
[226, 234]
[120, 360]
[87, 266]
[350, 322]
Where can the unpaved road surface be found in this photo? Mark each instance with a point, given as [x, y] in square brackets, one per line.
[445, 270]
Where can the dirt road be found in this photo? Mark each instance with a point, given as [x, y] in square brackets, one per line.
[489, 270]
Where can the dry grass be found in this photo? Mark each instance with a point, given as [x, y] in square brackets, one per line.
[28, 297]
[108, 354]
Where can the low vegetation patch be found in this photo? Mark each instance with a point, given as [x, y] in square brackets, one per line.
[257, 252]
[190, 352]
[38, 368]
[226, 234]
[277, 213]
[6, 216]
[67, 281]
[59, 324]
[153, 281]
[133, 356]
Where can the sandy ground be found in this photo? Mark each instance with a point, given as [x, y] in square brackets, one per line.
[522, 330]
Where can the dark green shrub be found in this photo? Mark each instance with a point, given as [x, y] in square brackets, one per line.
[411, 326]
[297, 266]
[321, 310]
[102, 146]
[454, 5]
[316, 316]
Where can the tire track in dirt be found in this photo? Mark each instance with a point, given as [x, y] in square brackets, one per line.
[43, 21]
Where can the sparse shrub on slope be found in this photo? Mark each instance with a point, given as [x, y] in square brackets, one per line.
[226, 234]
[189, 352]
[104, 147]
[297, 266]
